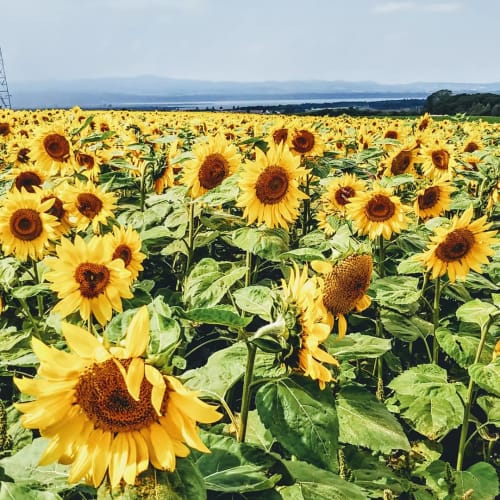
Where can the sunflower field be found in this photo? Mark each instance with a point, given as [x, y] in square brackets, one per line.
[239, 306]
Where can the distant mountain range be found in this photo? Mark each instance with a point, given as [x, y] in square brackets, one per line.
[153, 91]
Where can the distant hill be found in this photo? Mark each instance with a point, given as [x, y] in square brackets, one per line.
[154, 91]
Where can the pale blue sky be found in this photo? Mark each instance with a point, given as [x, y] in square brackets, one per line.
[387, 41]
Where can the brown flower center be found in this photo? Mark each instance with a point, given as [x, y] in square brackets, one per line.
[380, 208]
[213, 170]
[347, 283]
[26, 224]
[471, 147]
[343, 193]
[123, 252]
[272, 185]
[23, 155]
[27, 180]
[303, 141]
[4, 129]
[85, 160]
[440, 159]
[57, 147]
[456, 245]
[423, 124]
[429, 198]
[401, 162]
[102, 394]
[88, 204]
[57, 209]
[280, 135]
[391, 134]
[92, 278]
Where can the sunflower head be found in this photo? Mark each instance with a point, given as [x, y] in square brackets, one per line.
[433, 200]
[305, 141]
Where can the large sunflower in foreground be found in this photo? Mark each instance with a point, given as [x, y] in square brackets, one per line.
[88, 279]
[269, 187]
[213, 162]
[313, 325]
[88, 204]
[52, 150]
[26, 227]
[126, 245]
[344, 286]
[108, 410]
[377, 213]
[463, 246]
[433, 200]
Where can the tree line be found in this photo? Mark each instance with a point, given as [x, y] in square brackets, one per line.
[444, 102]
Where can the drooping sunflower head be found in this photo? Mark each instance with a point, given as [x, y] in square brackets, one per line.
[433, 200]
[26, 227]
[309, 325]
[126, 245]
[108, 411]
[52, 150]
[305, 141]
[214, 161]
[88, 279]
[26, 177]
[377, 213]
[400, 161]
[88, 204]
[269, 187]
[344, 285]
[163, 175]
[463, 246]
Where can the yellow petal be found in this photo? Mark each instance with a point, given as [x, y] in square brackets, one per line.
[137, 337]
[342, 326]
[155, 378]
[163, 447]
[142, 454]
[80, 341]
[130, 472]
[134, 378]
[101, 457]
[321, 266]
[119, 456]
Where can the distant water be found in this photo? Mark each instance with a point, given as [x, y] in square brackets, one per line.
[230, 103]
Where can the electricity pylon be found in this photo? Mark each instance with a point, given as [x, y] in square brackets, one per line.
[4, 88]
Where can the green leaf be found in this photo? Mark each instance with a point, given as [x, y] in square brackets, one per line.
[258, 300]
[476, 311]
[266, 243]
[365, 421]
[407, 328]
[302, 418]
[313, 483]
[426, 400]
[487, 376]
[490, 406]
[410, 266]
[23, 292]
[225, 192]
[303, 254]
[357, 346]
[13, 491]
[218, 315]
[396, 290]
[234, 467]
[460, 347]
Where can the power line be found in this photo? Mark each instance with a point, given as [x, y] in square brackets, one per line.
[4, 88]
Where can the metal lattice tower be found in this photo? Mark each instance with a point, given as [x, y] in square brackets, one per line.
[4, 88]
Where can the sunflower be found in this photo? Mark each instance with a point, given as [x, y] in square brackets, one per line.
[57, 208]
[377, 213]
[213, 162]
[126, 245]
[27, 177]
[18, 152]
[433, 200]
[269, 187]
[305, 141]
[88, 204]
[339, 192]
[87, 278]
[312, 326]
[400, 161]
[278, 133]
[52, 151]
[437, 160]
[344, 286]
[26, 227]
[108, 410]
[164, 174]
[89, 164]
[463, 246]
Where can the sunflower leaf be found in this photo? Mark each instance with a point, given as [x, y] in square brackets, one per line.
[302, 418]
[477, 311]
[357, 346]
[487, 376]
[395, 290]
[365, 421]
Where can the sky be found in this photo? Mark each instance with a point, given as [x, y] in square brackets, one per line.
[386, 41]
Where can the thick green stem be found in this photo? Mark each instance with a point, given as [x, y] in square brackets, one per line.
[468, 399]
[190, 242]
[435, 320]
[306, 216]
[39, 297]
[381, 256]
[248, 265]
[245, 398]
[380, 373]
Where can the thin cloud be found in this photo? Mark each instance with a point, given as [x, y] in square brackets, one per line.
[393, 7]
[389, 7]
[442, 7]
